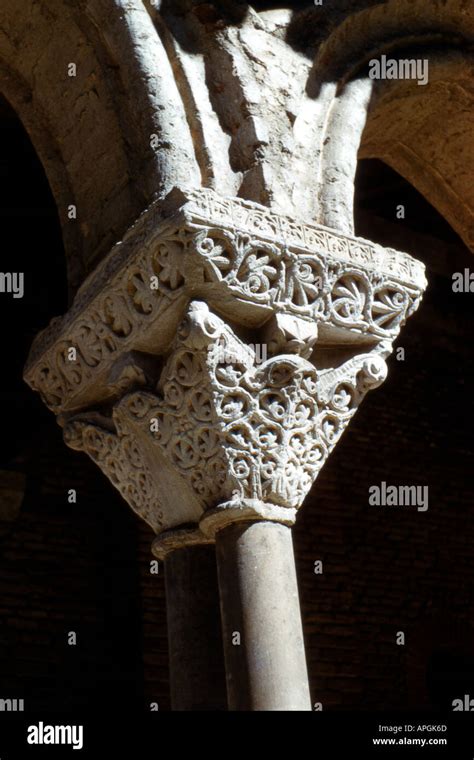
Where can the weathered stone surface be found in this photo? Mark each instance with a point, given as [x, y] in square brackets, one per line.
[266, 669]
[249, 101]
[196, 657]
[246, 262]
[225, 431]
[213, 427]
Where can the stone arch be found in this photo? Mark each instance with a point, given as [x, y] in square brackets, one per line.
[340, 85]
[92, 131]
[427, 140]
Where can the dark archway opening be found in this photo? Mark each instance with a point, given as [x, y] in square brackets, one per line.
[389, 210]
[416, 429]
[450, 677]
[65, 567]
[32, 247]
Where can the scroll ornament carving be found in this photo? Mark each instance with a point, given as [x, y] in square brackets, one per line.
[243, 260]
[218, 430]
[232, 432]
[120, 459]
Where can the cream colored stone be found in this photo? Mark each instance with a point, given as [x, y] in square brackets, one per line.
[212, 426]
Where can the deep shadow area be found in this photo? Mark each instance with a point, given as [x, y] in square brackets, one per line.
[65, 566]
[396, 569]
[32, 246]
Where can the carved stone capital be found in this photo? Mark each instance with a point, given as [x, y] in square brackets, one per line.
[222, 432]
[173, 402]
[246, 262]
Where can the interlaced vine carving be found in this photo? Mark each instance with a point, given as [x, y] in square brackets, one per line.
[239, 257]
[229, 431]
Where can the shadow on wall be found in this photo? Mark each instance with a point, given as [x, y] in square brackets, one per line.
[64, 566]
[396, 569]
[309, 24]
[33, 254]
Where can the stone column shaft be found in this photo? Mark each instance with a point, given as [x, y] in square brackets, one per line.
[259, 601]
[196, 658]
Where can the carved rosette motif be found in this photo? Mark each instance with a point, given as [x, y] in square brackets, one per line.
[306, 285]
[244, 261]
[173, 404]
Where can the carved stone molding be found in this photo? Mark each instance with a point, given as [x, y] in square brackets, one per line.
[246, 262]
